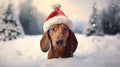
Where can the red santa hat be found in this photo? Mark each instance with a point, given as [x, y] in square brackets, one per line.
[57, 17]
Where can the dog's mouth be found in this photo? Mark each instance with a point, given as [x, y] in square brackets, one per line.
[59, 45]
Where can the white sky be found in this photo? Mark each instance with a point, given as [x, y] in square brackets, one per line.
[78, 10]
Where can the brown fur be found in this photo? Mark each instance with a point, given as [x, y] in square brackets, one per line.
[49, 38]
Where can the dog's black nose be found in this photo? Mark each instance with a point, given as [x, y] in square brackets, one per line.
[59, 42]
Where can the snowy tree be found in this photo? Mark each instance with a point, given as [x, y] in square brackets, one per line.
[106, 21]
[31, 20]
[10, 27]
[110, 18]
[94, 26]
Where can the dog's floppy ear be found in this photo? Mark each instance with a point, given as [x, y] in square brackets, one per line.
[45, 42]
[71, 42]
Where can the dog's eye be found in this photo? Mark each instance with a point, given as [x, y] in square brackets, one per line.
[66, 30]
[52, 30]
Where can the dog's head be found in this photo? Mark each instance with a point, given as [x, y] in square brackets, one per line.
[60, 37]
[59, 34]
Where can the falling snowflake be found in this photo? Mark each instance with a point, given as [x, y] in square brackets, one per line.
[106, 25]
[31, 12]
[95, 6]
[114, 28]
[99, 21]
[94, 25]
[112, 5]
[95, 16]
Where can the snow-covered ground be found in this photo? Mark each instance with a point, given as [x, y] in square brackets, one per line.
[92, 51]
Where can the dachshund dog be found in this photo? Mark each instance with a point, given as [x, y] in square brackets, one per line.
[60, 41]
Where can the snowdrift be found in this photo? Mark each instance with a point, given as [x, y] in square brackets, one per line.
[92, 51]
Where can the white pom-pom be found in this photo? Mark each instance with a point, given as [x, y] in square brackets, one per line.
[56, 6]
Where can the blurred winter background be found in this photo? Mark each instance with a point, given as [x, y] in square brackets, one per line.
[96, 26]
[26, 17]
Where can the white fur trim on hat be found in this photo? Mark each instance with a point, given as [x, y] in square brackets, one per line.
[57, 20]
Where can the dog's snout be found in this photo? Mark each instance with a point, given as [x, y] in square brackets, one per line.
[59, 42]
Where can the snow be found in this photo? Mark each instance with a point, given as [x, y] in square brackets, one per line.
[93, 51]
[94, 25]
